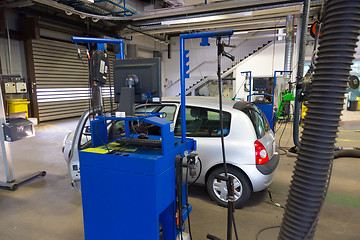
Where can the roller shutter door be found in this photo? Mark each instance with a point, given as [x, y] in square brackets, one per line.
[62, 80]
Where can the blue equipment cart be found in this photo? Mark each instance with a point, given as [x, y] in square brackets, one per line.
[128, 191]
[268, 107]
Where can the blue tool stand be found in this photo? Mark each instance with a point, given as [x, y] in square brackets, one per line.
[100, 43]
[267, 108]
[184, 65]
[126, 196]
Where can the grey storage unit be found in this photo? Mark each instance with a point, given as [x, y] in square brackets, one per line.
[62, 80]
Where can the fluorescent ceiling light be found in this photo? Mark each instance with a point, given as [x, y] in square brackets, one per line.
[88, 1]
[206, 19]
[238, 33]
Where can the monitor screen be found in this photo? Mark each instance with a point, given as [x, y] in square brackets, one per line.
[261, 84]
[142, 74]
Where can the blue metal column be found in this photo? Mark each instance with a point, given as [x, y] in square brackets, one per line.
[182, 87]
[184, 67]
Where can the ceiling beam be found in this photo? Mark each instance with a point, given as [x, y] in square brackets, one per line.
[202, 8]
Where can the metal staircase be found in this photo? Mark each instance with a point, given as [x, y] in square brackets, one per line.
[242, 51]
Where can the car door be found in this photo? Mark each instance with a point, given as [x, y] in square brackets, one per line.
[203, 124]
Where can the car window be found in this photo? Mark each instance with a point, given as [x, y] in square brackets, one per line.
[168, 112]
[148, 108]
[203, 122]
[258, 119]
[85, 138]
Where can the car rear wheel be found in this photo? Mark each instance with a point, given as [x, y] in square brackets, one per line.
[218, 191]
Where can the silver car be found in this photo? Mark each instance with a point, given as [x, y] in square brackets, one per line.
[250, 147]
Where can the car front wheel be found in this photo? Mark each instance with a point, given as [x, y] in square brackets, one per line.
[218, 191]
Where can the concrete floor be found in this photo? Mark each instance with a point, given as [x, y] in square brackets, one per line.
[50, 209]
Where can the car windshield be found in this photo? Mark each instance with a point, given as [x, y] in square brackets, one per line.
[167, 111]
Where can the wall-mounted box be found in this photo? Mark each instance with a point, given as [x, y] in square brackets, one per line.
[21, 87]
[10, 87]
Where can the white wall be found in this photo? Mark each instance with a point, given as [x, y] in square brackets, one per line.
[357, 54]
[207, 57]
[261, 64]
[197, 55]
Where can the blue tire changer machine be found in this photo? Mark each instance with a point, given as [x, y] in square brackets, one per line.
[132, 187]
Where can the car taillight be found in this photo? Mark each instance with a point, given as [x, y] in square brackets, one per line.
[261, 154]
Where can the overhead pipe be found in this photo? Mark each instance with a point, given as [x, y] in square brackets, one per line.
[289, 43]
[300, 72]
[310, 181]
[9, 70]
[288, 54]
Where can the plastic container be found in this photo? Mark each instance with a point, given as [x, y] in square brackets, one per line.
[18, 105]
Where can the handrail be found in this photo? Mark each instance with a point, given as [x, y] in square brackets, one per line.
[211, 61]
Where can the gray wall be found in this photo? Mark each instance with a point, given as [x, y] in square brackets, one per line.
[18, 65]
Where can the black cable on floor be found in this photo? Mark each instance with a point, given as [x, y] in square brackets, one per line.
[282, 133]
[265, 229]
[272, 201]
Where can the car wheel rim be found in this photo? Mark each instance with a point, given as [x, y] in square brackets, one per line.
[220, 189]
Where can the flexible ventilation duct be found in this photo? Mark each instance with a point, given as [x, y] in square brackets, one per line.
[300, 71]
[309, 183]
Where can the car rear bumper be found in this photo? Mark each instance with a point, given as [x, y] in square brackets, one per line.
[270, 166]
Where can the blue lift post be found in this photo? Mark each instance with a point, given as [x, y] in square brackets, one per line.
[184, 68]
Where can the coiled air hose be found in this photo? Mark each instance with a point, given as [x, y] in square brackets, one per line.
[340, 30]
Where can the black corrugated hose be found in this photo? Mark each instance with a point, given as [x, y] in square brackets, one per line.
[347, 152]
[300, 73]
[339, 34]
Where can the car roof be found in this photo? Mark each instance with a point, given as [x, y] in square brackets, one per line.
[206, 102]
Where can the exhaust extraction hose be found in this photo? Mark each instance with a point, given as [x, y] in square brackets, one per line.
[339, 34]
[300, 71]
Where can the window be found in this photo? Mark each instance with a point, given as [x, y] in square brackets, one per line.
[147, 108]
[258, 119]
[202, 122]
[168, 111]
[85, 137]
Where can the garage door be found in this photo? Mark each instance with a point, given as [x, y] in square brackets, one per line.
[62, 80]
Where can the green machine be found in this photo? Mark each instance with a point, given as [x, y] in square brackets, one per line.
[283, 111]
